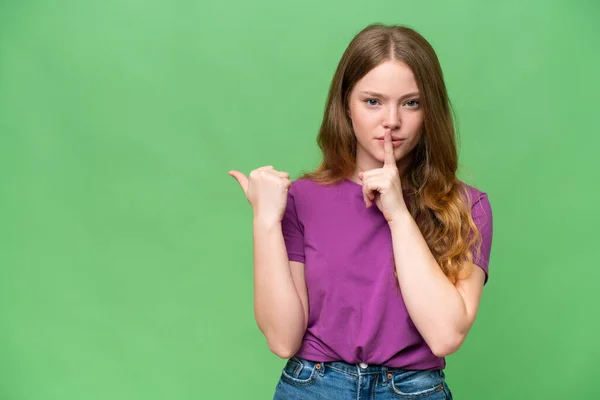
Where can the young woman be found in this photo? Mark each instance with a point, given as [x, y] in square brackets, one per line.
[369, 270]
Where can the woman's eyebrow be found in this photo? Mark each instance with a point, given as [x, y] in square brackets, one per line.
[375, 94]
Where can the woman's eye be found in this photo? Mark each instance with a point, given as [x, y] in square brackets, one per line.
[371, 102]
[412, 103]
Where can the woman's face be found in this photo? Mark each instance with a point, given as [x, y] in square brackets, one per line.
[385, 99]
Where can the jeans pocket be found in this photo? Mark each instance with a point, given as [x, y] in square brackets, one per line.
[416, 384]
[299, 372]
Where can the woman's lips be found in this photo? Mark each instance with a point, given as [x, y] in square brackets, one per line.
[396, 142]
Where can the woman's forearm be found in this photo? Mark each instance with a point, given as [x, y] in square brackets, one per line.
[278, 308]
[434, 304]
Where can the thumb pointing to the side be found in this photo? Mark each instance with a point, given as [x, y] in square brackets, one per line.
[242, 180]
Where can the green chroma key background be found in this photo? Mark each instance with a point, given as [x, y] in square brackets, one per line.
[126, 249]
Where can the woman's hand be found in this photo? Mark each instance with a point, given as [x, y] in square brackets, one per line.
[383, 185]
[266, 191]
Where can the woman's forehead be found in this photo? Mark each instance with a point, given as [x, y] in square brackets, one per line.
[391, 79]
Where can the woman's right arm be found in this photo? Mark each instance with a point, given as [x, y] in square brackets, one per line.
[280, 295]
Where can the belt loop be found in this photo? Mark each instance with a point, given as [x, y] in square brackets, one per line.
[384, 370]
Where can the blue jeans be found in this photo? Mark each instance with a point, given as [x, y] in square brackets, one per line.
[308, 380]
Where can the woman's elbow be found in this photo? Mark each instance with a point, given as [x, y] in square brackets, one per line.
[447, 345]
[284, 350]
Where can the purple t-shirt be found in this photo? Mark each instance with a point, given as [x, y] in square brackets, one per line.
[356, 313]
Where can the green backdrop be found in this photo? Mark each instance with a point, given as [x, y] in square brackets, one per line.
[126, 249]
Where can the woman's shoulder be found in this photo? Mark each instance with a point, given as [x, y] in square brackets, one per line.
[301, 183]
[476, 194]
[480, 202]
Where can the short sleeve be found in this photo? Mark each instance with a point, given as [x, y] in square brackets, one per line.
[292, 229]
[481, 211]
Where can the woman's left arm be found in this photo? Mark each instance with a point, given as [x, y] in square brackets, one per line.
[442, 312]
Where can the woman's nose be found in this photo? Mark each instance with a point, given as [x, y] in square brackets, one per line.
[392, 119]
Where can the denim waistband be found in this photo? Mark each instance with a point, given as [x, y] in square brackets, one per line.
[301, 378]
[359, 368]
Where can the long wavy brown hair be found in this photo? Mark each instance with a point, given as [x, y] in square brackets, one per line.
[440, 202]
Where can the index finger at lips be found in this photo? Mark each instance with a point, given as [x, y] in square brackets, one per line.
[388, 149]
